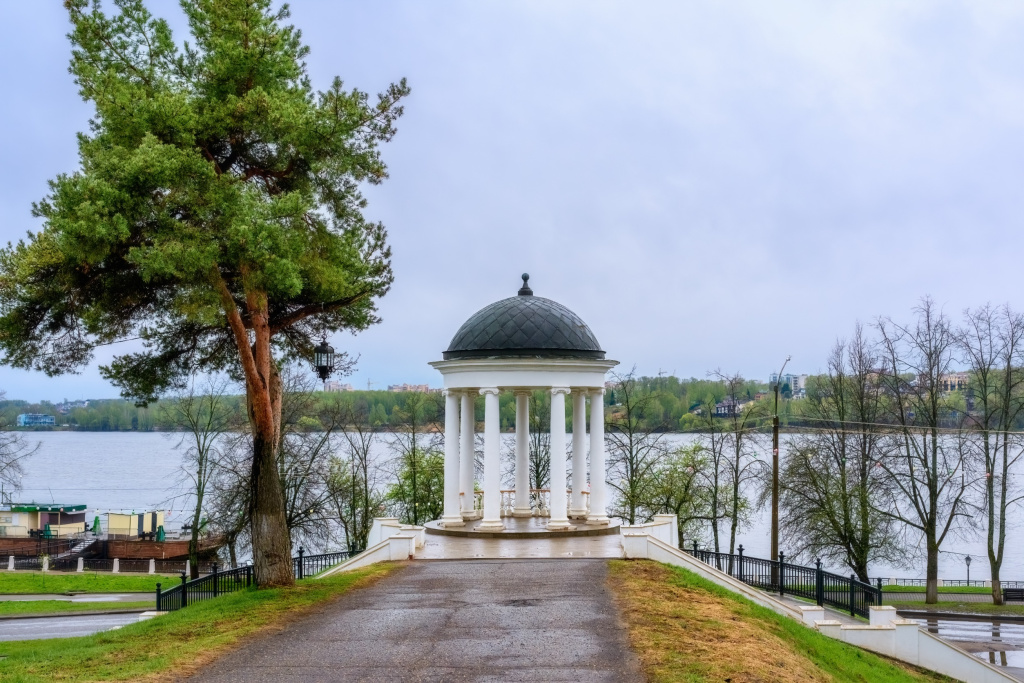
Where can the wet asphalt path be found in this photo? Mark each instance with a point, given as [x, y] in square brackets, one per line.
[62, 627]
[473, 620]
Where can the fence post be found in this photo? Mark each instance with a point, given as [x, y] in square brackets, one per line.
[819, 583]
[879, 579]
[215, 591]
[152, 566]
[46, 563]
[248, 575]
[158, 596]
[117, 566]
[302, 551]
[81, 565]
[782, 574]
[853, 612]
[184, 590]
[10, 563]
[740, 563]
[695, 548]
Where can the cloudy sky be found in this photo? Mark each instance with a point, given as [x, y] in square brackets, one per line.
[709, 185]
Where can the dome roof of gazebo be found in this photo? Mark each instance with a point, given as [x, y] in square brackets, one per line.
[524, 326]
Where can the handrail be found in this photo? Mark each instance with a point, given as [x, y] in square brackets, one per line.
[219, 582]
[811, 583]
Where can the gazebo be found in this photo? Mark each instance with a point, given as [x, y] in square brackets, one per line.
[522, 344]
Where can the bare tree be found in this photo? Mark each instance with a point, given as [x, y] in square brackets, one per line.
[636, 447]
[742, 465]
[540, 441]
[928, 471]
[14, 450]
[712, 441]
[417, 494]
[679, 488]
[204, 414]
[353, 484]
[992, 342]
[831, 484]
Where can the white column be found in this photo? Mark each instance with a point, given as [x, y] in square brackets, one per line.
[577, 508]
[492, 462]
[452, 515]
[522, 507]
[467, 455]
[559, 519]
[598, 488]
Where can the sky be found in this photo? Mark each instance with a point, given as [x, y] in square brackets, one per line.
[708, 185]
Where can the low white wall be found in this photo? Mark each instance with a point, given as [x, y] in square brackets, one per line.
[663, 527]
[394, 542]
[904, 640]
[378, 532]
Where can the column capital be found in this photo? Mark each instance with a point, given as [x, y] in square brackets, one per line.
[490, 390]
[559, 390]
[597, 392]
[523, 392]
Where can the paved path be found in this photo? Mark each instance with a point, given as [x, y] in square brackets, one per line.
[451, 547]
[63, 627]
[79, 597]
[482, 620]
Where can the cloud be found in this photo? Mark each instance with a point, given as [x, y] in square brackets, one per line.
[706, 184]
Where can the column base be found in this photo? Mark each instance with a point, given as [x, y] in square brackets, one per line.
[470, 515]
[598, 520]
[490, 525]
[578, 514]
[522, 512]
[560, 525]
[451, 522]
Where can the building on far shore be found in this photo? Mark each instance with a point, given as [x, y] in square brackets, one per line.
[422, 388]
[333, 385]
[36, 420]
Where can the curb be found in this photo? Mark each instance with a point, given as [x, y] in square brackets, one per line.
[961, 616]
[74, 613]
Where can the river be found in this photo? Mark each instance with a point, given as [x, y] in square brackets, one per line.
[138, 471]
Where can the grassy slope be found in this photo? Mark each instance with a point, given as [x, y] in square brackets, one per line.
[685, 628]
[12, 607]
[173, 645]
[89, 582]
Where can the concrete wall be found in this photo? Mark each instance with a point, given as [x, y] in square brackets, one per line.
[388, 541]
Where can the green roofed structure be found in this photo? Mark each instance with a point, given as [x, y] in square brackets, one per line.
[46, 519]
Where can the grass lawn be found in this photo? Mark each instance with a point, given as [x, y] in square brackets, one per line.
[176, 644]
[687, 629]
[942, 589]
[89, 582]
[967, 607]
[11, 607]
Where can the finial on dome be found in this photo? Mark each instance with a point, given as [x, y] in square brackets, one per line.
[525, 289]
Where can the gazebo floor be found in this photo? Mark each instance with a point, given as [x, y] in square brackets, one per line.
[525, 527]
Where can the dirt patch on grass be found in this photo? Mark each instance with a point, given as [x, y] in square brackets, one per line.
[683, 634]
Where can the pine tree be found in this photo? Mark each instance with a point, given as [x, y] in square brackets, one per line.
[216, 216]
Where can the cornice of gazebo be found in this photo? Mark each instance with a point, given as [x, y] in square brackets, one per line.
[511, 373]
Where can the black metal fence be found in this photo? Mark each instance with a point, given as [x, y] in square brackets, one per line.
[220, 582]
[810, 583]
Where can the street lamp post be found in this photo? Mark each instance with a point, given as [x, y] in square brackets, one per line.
[967, 560]
[323, 360]
[775, 466]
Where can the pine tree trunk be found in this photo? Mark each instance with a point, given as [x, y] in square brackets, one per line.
[271, 542]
